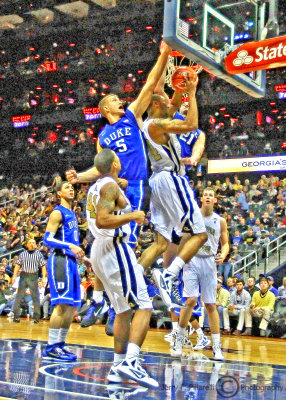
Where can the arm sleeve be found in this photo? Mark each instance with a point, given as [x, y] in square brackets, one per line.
[51, 241]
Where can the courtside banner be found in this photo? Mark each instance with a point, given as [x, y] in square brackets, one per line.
[259, 164]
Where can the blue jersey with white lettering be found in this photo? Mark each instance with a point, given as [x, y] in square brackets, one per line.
[68, 231]
[187, 140]
[126, 139]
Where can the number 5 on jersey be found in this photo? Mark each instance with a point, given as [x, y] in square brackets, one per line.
[121, 145]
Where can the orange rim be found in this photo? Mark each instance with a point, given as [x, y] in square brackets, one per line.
[176, 53]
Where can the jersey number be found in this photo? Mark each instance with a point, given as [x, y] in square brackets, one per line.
[90, 205]
[121, 145]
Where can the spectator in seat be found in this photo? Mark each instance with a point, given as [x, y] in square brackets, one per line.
[230, 285]
[222, 300]
[271, 287]
[239, 301]
[6, 296]
[266, 220]
[236, 239]
[250, 238]
[262, 242]
[251, 287]
[251, 219]
[256, 227]
[257, 198]
[282, 289]
[262, 307]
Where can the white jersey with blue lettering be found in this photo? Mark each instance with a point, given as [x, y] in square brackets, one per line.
[93, 197]
[213, 228]
[164, 157]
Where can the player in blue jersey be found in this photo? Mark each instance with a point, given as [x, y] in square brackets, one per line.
[192, 143]
[123, 135]
[62, 238]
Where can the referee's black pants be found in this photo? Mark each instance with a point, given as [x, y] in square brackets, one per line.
[28, 280]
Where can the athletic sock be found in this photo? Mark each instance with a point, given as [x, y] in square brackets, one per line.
[175, 326]
[118, 358]
[176, 266]
[216, 339]
[53, 336]
[62, 334]
[181, 331]
[200, 333]
[98, 296]
[133, 350]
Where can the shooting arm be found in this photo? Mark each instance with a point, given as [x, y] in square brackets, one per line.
[140, 105]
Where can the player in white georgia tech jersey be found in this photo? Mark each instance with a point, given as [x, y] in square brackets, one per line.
[201, 274]
[113, 261]
[173, 208]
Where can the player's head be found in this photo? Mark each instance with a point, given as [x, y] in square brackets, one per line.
[111, 105]
[184, 108]
[65, 191]
[208, 198]
[158, 107]
[107, 162]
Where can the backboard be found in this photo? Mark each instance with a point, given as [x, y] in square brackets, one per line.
[206, 31]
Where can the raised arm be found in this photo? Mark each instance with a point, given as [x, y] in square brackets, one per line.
[140, 105]
[160, 126]
[105, 219]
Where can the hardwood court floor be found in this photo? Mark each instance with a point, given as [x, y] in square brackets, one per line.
[254, 368]
[248, 349]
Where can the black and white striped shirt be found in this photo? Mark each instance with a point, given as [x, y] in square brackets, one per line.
[31, 261]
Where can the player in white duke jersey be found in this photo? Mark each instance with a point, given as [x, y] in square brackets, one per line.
[109, 214]
[173, 208]
[201, 272]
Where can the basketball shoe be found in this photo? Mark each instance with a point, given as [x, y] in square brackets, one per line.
[110, 322]
[217, 353]
[132, 369]
[55, 352]
[202, 342]
[167, 288]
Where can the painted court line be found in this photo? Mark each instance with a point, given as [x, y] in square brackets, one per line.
[55, 390]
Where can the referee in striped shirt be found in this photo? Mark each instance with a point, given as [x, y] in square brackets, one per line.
[29, 262]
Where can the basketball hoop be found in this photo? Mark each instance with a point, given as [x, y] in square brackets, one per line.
[175, 61]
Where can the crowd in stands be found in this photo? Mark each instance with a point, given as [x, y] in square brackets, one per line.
[255, 215]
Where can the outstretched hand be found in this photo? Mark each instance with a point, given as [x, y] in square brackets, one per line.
[71, 176]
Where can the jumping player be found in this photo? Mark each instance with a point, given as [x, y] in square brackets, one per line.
[109, 214]
[173, 208]
[123, 135]
[201, 272]
[62, 237]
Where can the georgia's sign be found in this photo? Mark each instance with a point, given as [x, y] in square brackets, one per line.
[253, 56]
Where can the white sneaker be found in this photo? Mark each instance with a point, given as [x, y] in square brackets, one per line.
[177, 349]
[170, 337]
[217, 353]
[10, 315]
[164, 281]
[113, 376]
[202, 342]
[131, 368]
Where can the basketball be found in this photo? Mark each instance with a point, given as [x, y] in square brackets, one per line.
[179, 78]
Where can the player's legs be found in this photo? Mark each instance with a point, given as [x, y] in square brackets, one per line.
[152, 252]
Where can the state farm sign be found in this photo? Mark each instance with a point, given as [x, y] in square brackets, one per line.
[253, 56]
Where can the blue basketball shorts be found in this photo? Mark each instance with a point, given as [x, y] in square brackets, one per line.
[63, 280]
[137, 194]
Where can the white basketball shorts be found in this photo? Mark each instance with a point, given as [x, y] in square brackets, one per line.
[174, 210]
[115, 264]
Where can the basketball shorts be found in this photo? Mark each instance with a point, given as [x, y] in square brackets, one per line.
[63, 280]
[173, 208]
[137, 193]
[200, 275]
[115, 264]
